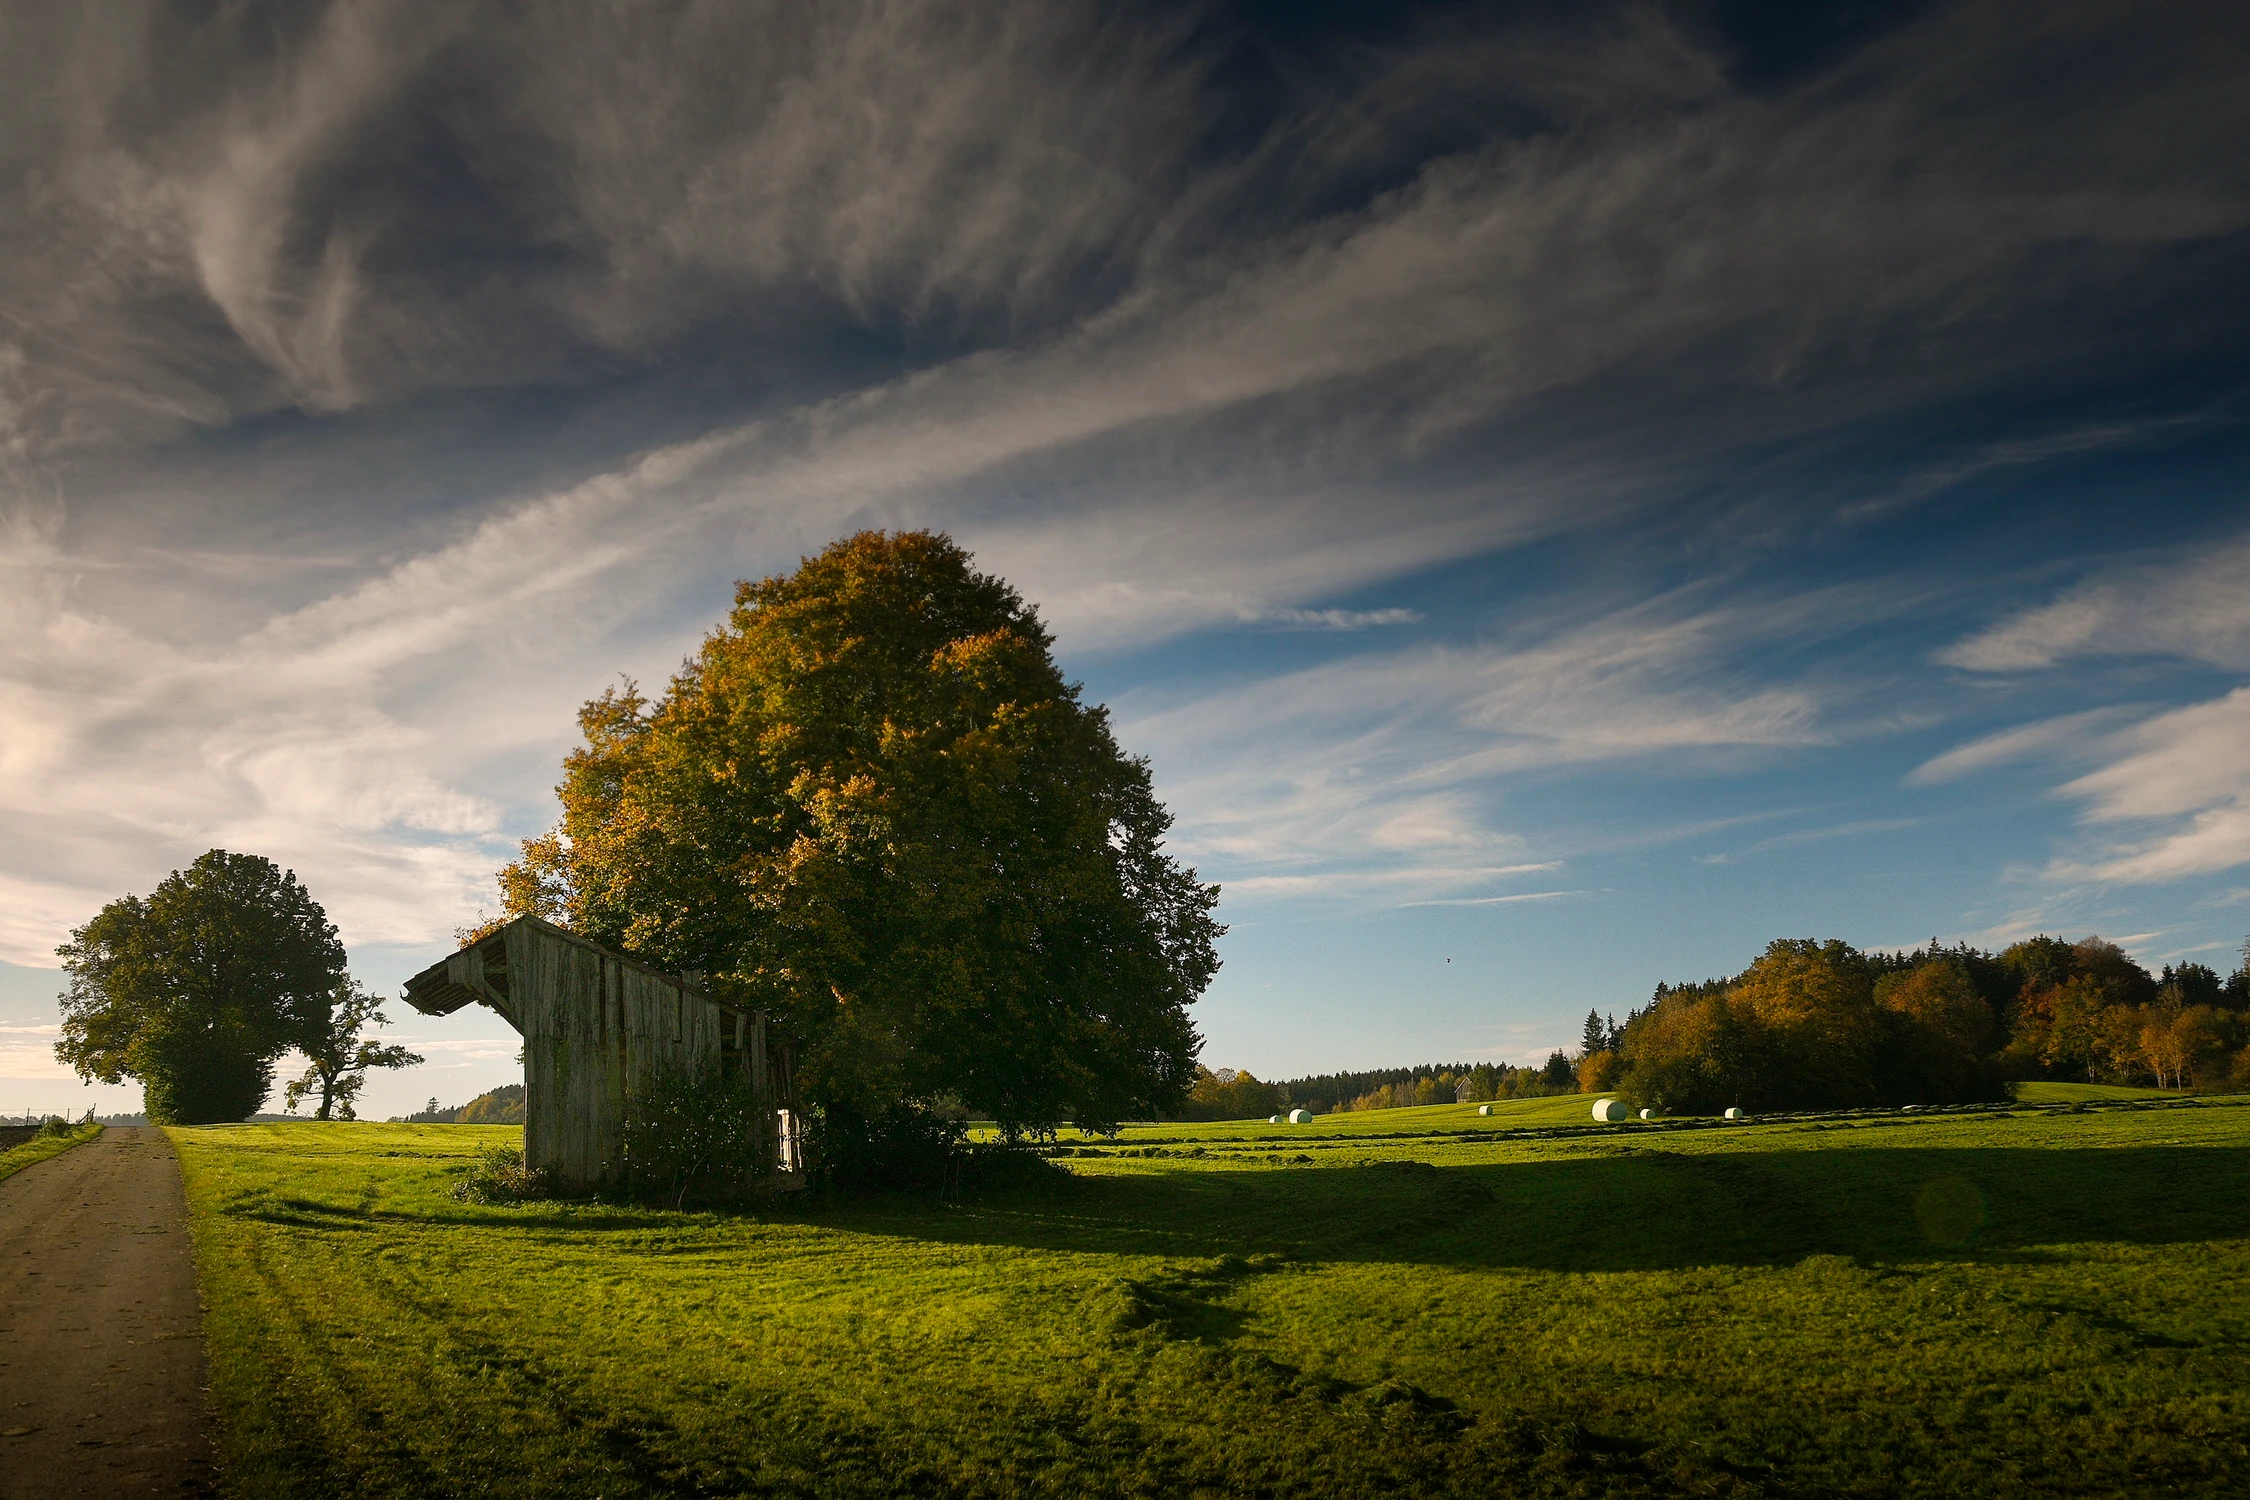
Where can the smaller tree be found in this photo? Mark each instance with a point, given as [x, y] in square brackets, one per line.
[337, 1056]
[1595, 1037]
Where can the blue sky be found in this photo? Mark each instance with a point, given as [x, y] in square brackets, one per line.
[1563, 495]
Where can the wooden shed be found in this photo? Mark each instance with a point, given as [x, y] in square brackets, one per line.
[597, 1027]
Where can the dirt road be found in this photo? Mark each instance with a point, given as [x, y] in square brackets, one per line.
[101, 1343]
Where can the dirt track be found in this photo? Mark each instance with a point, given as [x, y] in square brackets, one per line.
[101, 1342]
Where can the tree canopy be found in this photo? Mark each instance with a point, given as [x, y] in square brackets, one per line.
[871, 805]
[198, 987]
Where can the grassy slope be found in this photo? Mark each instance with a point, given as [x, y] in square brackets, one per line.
[16, 1158]
[2048, 1304]
[2079, 1093]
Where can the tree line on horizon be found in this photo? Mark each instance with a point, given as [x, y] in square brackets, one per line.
[1235, 1094]
[1824, 1025]
[501, 1106]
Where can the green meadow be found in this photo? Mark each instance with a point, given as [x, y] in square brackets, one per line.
[2048, 1300]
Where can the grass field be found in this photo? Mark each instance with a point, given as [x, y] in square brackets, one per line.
[1510, 1114]
[2050, 1301]
[16, 1158]
[2081, 1093]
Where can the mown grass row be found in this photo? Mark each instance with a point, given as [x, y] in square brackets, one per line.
[2038, 1304]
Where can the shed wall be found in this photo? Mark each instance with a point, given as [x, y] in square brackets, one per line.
[598, 1028]
[595, 1031]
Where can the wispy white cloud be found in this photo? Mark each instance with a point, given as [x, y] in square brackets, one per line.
[243, 210]
[2043, 741]
[2179, 788]
[935, 160]
[1800, 836]
[338, 737]
[1822, 835]
[2015, 453]
[1381, 772]
[1014, 173]
[2196, 607]
[1333, 619]
[2168, 798]
[2174, 787]
[1496, 900]
[1365, 883]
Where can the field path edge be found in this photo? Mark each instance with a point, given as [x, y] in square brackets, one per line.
[101, 1333]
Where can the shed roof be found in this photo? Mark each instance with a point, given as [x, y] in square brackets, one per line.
[479, 971]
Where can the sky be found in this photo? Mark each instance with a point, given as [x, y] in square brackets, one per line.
[1562, 494]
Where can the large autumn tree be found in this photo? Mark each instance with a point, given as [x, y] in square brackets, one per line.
[871, 805]
[197, 988]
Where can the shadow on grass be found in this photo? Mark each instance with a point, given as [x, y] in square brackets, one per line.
[313, 1213]
[1636, 1211]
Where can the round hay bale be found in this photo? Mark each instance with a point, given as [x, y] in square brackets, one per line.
[1648, 1114]
[1609, 1111]
[1273, 1119]
[1484, 1109]
[1736, 1114]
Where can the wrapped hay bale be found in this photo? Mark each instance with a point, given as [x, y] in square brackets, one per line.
[1484, 1109]
[1648, 1114]
[1736, 1114]
[1300, 1117]
[1273, 1119]
[1609, 1111]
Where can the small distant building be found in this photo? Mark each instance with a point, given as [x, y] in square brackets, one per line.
[597, 1026]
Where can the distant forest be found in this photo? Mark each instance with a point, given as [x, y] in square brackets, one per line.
[501, 1106]
[1231, 1094]
[1824, 1025]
